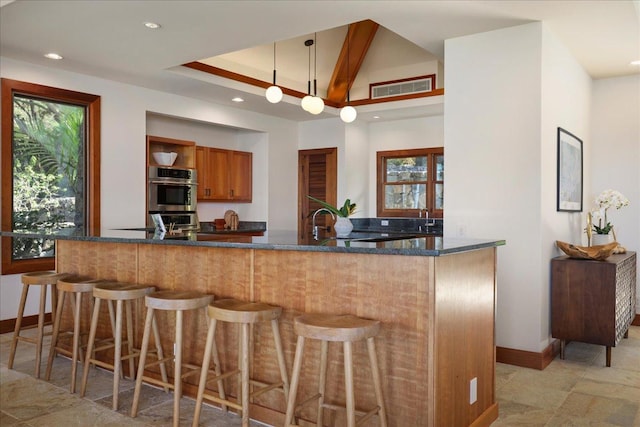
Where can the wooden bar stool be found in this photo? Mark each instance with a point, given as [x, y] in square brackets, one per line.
[121, 293]
[245, 314]
[177, 301]
[75, 287]
[345, 329]
[42, 279]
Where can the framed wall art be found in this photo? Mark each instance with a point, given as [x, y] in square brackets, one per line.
[569, 192]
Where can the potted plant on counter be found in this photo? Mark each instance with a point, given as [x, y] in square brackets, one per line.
[342, 225]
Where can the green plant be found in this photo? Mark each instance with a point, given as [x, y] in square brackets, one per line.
[345, 211]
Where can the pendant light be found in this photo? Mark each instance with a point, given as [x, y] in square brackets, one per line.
[306, 101]
[348, 113]
[274, 93]
[316, 105]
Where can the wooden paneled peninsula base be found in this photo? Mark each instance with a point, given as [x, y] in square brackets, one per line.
[437, 316]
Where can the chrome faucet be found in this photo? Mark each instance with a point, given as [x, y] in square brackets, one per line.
[313, 221]
[426, 224]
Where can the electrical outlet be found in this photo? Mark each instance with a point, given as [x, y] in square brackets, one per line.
[384, 222]
[473, 391]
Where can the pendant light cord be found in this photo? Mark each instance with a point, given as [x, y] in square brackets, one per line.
[348, 68]
[315, 64]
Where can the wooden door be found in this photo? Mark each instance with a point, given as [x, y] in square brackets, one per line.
[317, 177]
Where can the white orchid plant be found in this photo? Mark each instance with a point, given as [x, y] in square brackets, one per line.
[607, 199]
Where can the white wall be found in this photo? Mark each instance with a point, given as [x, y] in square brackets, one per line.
[615, 154]
[123, 119]
[500, 121]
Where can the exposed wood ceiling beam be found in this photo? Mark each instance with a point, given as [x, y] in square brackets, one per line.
[354, 49]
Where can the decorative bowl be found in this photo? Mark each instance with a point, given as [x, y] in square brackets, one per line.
[165, 159]
[598, 252]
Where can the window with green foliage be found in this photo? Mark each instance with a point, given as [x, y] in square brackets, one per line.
[47, 163]
[410, 181]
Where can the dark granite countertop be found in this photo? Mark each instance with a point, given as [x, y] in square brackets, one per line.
[358, 242]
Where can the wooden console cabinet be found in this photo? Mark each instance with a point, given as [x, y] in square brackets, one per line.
[593, 301]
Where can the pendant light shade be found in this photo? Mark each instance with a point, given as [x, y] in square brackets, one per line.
[274, 93]
[306, 102]
[348, 114]
[316, 105]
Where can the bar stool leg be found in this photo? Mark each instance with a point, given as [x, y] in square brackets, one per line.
[377, 383]
[43, 300]
[160, 353]
[206, 360]
[132, 372]
[54, 336]
[295, 377]
[348, 383]
[90, 345]
[16, 332]
[245, 375]
[117, 362]
[177, 380]
[283, 367]
[76, 337]
[322, 383]
[143, 356]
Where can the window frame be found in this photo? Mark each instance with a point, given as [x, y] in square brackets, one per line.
[431, 154]
[91, 103]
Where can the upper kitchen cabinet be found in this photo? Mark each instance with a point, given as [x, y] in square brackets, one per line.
[224, 175]
[185, 151]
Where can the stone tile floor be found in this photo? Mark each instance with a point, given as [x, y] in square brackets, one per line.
[577, 391]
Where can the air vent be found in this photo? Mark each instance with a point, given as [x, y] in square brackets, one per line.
[386, 90]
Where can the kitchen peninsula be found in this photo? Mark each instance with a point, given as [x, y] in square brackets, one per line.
[434, 296]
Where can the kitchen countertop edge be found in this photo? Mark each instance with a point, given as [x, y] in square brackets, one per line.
[279, 242]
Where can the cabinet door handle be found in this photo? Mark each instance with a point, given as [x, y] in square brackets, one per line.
[231, 192]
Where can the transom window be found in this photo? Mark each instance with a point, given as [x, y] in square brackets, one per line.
[410, 181]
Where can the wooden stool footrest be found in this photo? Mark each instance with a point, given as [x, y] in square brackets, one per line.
[265, 388]
[225, 402]
[161, 383]
[307, 401]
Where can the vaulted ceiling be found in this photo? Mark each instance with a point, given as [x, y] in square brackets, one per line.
[107, 39]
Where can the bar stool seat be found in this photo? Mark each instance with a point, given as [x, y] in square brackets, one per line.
[42, 279]
[123, 294]
[245, 314]
[75, 287]
[177, 301]
[336, 328]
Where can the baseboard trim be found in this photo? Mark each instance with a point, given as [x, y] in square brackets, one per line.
[9, 325]
[533, 360]
[528, 359]
[487, 417]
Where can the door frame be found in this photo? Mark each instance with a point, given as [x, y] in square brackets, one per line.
[330, 181]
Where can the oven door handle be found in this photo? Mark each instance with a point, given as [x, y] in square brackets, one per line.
[174, 183]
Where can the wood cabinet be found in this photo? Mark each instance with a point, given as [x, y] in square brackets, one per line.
[593, 301]
[224, 175]
[185, 150]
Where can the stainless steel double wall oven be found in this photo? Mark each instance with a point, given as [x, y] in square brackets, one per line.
[173, 194]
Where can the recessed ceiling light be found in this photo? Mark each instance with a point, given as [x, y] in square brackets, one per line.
[237, 99]
[635, 62]
[376, 117]
[152, 25]
[52, 55]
